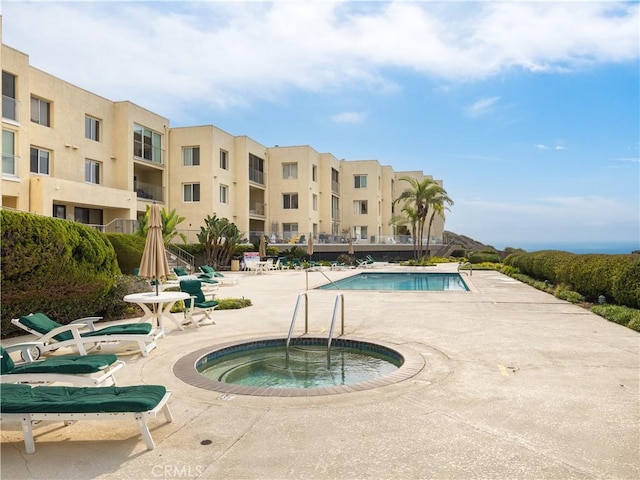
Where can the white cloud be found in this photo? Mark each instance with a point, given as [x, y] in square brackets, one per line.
[172, 56]
[560, 147]
[348, 117]
[482, 106]
[540, 146]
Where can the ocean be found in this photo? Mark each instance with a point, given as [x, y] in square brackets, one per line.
[586, 247]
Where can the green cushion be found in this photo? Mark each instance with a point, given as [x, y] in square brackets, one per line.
[69, 364]
[207, 304]
[43, 324]
[181, 272]
[125, 329]
[210, 271]
[19, 398]
[6, 362]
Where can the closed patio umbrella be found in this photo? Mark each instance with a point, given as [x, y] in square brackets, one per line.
[310, 246]
[350, 251]
[154, 257]
[263, 247]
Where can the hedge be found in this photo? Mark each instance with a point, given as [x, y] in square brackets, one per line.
[128, 250]
[61, 268]
[617, 277]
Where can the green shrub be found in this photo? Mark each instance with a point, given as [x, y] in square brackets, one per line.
[629, 317]
[233, 303]
[458, 253]
[128, 250]
[509, 270]
[63, 269]
[626, 288]
[569, 296]
[483, 257]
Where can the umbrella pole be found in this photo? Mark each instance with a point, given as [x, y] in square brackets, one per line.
[156, 282]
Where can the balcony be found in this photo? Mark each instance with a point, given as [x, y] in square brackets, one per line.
[335, 187]
[148, 191]
[256, 176]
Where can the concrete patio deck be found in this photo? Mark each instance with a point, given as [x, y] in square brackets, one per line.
[517, 384]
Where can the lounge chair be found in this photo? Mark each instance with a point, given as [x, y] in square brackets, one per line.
[67, 404]
[211, 273]
[78, 370]
[197, 304]
[52, 335]
[182, 274]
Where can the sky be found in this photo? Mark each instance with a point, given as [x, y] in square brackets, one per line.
[528, 111]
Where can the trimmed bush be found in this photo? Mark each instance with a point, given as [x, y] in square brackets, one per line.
[625, 316]
[569, 296]
[63, 269]
[128, 250]
[233, 303]
[484, 257]
[626, 288]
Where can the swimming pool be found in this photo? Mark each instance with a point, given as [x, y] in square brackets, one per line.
[400, 281]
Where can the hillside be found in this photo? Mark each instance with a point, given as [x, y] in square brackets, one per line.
[467, 242]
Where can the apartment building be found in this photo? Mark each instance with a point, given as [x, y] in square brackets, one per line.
[69, 153]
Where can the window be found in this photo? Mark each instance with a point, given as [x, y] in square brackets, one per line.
[224, 194]
[59, 211]
[314, 173]
[289, 230]
[40, 160]
[335, 209]
[40, 111]
[9, 164]
[360, 207]
[224, 159]
[191, 192]
[256, 169]
[289, 201]
[147, 144]
[9, 102]
[289, 170]
[335, 181]
[90, 216]
[359, 181]
[91, 128]
[360, 232]
[91, 171]
[191, 156]
[314, 202]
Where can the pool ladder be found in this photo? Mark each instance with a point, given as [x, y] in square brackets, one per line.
[339, 300]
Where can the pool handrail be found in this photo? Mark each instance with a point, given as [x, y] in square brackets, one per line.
[340, 296]
[295, 316]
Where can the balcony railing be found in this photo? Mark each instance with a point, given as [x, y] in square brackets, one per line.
[256, 176]
[148, 191]
[335, 187]
[9, 108]
[258, 209]
[10, 165]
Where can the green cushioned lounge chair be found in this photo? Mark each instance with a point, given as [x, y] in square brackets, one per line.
[78, 370]
[211, 273]
[184, 275]
[198, 303]
[28, 405]
[81, 334]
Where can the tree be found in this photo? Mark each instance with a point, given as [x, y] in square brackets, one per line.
[438, 208]
[219, 238]
[409, 217]
[421, 198]
[170, 222]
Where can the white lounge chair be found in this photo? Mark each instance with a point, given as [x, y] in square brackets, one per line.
[77, 370]
[29, 405]
[81, 334]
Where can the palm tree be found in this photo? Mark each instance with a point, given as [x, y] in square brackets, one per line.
[219, 238]
[420, 197]
[170, 221]
[409, 217]
[438, 208]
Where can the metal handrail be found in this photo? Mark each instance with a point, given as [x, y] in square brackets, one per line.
[464, 264]
[333, 321]
[295, 316]
[183, 255]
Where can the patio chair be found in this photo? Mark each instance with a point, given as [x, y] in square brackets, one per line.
[52, 335]
[29, 405]
[198, 303]
[77, 370]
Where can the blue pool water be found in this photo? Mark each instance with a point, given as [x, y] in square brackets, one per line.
[307, 364]
[400, 281]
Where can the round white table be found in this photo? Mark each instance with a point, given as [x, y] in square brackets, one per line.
[158, 306]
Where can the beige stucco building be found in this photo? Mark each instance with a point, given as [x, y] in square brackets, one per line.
[69, 153]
